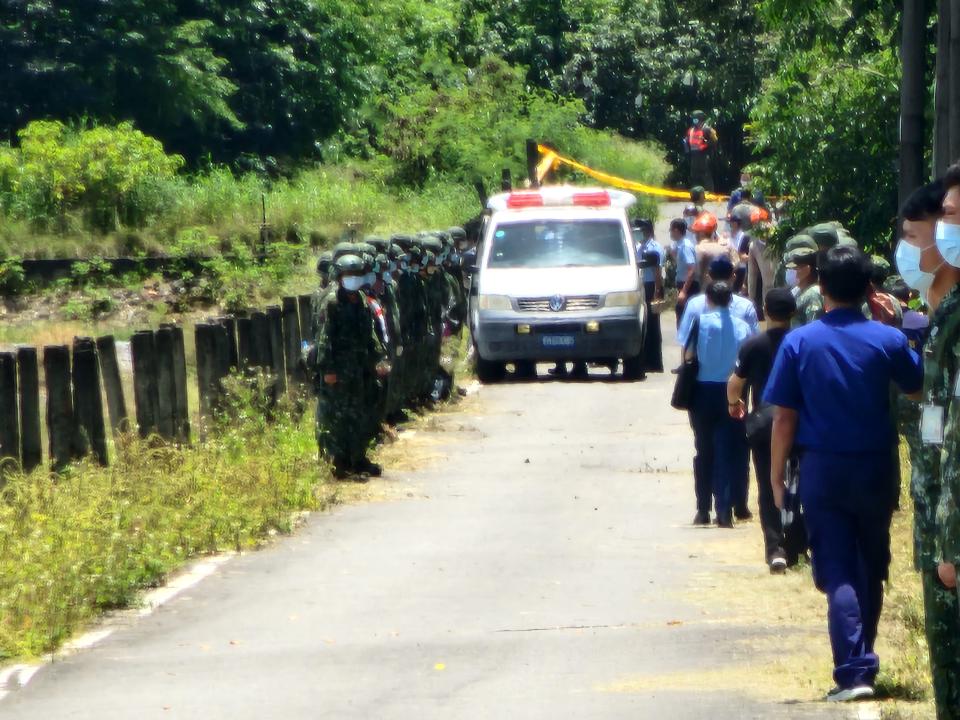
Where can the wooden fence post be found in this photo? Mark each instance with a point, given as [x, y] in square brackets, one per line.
[182, 408]
[28, 373]
[278, 365]
[112, 384]
[292, 338]
[244, 332]
[260, 340]
[143, 349]
[305, 307]
[88, 398]
[60, 422]
[166, 385]
[206, 366]
[9, 417]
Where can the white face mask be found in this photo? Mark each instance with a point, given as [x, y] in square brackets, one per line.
[948, 242]
[791, 277]
[370, 279]
[353, 283]
[908, 259]
[388, 278]
[415, 267]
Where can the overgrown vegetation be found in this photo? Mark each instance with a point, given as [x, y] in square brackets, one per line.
[75, 545]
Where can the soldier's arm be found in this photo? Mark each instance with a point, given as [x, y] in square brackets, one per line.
[947, 540]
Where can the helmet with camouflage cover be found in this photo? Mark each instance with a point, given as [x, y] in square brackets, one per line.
[801, 249]
[457, 234]
[344, 248]
[350, 264]
[402, 241]
[381, 244]
[381, 263]
[325, 262]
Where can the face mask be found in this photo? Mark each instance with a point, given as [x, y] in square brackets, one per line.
[791, 277]
[744, 182]
[415, 267]
[907, 259]
[948, 242]
[388, 278]
[455, 259]
[370, 279]
[393, 267]
[353, 283]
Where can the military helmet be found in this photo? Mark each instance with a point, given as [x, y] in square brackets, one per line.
[381, 244]
[800, 248]
[698, 114]
[429, 257]
[402, 241]
[395, 252]
[324, 262]
[432, 244]
[365, 248]
[350, 264]
[457, 234]
[880, 269]
[343, 248]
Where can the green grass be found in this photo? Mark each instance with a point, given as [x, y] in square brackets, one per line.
[90, 540]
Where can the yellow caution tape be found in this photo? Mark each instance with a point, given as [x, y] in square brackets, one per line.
[552, 159]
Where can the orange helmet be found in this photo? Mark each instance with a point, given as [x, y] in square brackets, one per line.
[705, 223]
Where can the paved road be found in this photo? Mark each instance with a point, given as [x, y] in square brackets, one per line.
[543, 571]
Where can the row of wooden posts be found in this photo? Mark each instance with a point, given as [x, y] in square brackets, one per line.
[78, 379]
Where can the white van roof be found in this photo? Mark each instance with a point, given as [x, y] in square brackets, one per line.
[561, 196]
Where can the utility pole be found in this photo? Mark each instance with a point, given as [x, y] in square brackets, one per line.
[912, 97]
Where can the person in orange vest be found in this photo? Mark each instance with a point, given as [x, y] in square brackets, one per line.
[699, 143]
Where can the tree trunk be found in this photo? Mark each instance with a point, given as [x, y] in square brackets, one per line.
[941, 127]
[953, 82]
[912, 97]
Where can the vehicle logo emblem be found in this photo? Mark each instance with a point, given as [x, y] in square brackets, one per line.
[557, 303]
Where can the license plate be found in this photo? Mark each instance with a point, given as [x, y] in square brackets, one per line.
[558, 341]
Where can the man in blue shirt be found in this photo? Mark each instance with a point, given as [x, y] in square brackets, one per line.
[830, 383]
[720, 269]
[688, 278]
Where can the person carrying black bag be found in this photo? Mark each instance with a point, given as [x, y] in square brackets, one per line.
[783, 547]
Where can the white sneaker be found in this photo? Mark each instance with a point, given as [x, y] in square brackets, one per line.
[860, 692]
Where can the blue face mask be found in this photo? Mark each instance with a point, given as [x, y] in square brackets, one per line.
[907, 258]
[948, 242]
[352, 283]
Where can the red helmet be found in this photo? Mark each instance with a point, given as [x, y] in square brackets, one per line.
[705, 223]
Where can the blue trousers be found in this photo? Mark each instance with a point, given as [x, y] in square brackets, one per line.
[722, 454]
[848, 505]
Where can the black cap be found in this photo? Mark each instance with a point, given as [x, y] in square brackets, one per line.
[721, 267]
[643, 224]
[780, 303]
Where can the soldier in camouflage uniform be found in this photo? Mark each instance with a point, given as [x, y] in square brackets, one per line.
[437, 293]
[935, 440]
[801, 258]
[412, 296]
[348, 360]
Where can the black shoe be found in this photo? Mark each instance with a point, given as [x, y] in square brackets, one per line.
[743, 514]
[725, 522]
[370, 468]
[341, 471]
[778, 563]
[701, 518]
[560, 370]
[675, 371]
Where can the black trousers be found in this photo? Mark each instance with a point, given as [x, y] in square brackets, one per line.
[653, 343]
[793, 541]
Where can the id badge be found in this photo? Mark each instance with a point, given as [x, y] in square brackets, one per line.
[956, 386]
[931, 425]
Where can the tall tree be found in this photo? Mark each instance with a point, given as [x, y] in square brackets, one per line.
[912, 96]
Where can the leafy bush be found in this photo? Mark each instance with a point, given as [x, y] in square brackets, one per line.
[99, 172]
[72, 546]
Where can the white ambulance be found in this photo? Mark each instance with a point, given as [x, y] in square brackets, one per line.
[556, 279]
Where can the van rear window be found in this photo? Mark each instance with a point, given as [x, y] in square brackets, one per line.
[555, 244]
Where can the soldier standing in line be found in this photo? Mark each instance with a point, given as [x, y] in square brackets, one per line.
[927, 257]
[437, 300]
[411, 294]
[349, 358]
[800, 260]
[384, 290]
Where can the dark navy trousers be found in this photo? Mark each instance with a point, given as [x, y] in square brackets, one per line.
[722, 454]
[848, 507]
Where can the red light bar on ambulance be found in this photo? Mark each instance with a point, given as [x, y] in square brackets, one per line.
[561, 196]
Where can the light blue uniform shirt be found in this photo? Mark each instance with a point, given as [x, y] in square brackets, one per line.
[718, 343]
[740, 307]
[686, 257]
[651, 245]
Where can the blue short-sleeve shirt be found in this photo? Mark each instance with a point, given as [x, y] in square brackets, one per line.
[718, 343]
[836, 373]
[686, 258]
[740, 307]
[651, 245]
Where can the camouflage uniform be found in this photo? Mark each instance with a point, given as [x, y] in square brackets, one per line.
[935, 486]
[809, 307]
[412, 297]
[348, 347]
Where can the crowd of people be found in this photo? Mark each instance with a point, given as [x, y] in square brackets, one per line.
[380, 318]
[852, 356]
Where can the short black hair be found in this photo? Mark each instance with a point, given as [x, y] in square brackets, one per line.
[719, 293]
[951, 178]
[678, 224]
[926, 202]
[845, 274]
[901, 291]
[780, 304]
